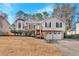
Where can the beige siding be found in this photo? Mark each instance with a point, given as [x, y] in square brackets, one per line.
[6, 26]
[77, 28]
[16, 25]
[53, 24]
[4, 30]
[53, 29]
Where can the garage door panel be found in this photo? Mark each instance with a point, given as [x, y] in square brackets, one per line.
[57, 35]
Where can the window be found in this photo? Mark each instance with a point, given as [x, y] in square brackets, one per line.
[1, 25]
[19, 25]
[34, 26]
[54, 32]
[57, 25]
[23, 25]
[45, 24]
[50, 24]
[60, 24]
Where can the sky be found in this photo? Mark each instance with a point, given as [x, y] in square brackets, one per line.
[12, 8]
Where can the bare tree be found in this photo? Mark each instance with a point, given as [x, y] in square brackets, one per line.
[65, 12]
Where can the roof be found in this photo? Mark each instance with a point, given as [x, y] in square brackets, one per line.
[2, 14]
[33, 21]
[7, 22]
[53, 18]
[19, 19]
[52, 30]
[4, 18]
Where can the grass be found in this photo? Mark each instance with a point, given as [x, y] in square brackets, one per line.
[26, 46]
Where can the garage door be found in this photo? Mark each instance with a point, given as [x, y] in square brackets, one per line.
[57, 35]
[54, 35]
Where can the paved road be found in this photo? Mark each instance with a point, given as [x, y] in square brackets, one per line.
[68, 47]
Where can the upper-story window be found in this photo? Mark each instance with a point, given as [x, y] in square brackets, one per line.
[50, 24]
[45, 24]
[60, 24]
[57, 24]
[19, 25]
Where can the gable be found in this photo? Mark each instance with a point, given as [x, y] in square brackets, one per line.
[52, 19]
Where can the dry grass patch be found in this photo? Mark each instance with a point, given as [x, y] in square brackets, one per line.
[26, 46]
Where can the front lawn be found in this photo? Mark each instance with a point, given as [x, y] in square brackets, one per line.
[26, 46]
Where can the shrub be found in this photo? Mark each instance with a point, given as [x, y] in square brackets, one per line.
[75, 36]
[30, 33]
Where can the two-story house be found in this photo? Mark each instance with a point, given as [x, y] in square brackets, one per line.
[52, 27]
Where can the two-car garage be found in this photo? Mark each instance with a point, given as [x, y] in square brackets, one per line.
[54, 36]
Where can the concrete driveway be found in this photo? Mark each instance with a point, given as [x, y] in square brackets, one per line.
[68, 47]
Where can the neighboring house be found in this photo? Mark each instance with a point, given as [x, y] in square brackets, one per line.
[77, 28]
[71, 32]
[51, 28]
[4, 25]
